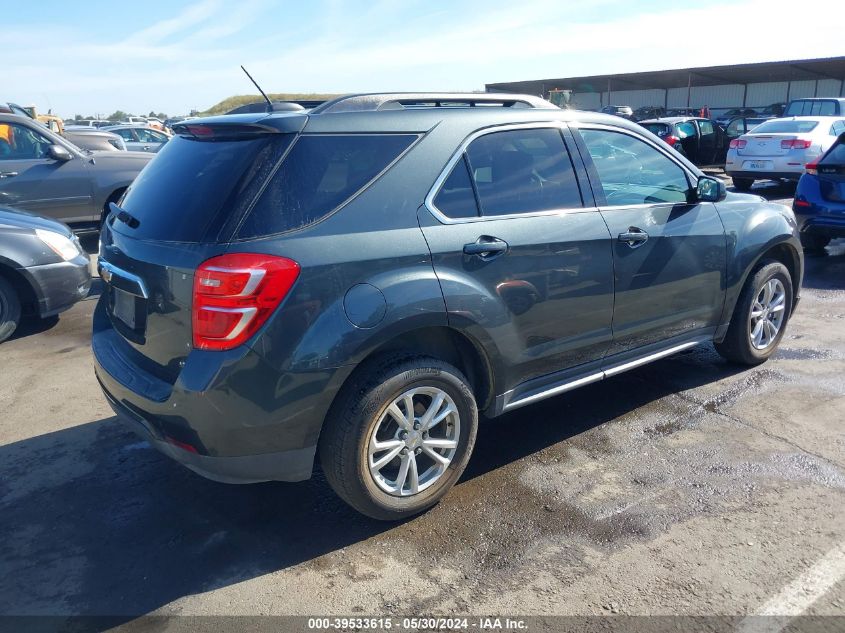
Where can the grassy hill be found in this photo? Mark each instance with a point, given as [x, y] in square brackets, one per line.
[239, 100]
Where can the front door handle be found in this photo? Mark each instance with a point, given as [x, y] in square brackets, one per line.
[634, 237]
[486, 247]
[8, 174]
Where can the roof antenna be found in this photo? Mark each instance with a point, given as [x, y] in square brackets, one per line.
[266, 98]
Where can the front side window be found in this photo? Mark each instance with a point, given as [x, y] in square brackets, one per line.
[706, 128]
[523, 171]
[125, 134]
[632, 171]
[685, 129]
[319, 174]
[18, 142]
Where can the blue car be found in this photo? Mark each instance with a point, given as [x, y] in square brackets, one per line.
[819, 202]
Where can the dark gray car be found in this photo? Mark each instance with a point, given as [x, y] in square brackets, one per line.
[360, 281]
[43, 269]
[42, 172]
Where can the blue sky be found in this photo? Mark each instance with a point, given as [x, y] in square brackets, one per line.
[99, 56]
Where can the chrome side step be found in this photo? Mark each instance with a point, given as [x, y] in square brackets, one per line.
[601, 375]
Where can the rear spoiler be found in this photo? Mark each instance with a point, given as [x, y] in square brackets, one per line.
[235, 127]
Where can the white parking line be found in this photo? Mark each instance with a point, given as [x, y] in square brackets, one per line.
[799, 595]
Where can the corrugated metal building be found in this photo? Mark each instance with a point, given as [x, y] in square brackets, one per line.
[719, 87]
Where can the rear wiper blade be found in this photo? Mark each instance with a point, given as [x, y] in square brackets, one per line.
[124, 216]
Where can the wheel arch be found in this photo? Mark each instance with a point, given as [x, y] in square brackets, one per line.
[114, 196]
[27, 294]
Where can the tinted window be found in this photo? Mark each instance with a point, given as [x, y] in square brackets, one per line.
[632, 171]
[319, 174]
[456, 198]
[685, 129]
[192, 187]
[18, 142]
[810, 107]
[660, 129]
[835, 155]
[522, 171]
[706, 128]
[779, 126]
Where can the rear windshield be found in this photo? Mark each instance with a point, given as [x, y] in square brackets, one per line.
[189, 190]
[812, 107]
[319, 174]
[660, 129]
[836, 155]
[786, 127]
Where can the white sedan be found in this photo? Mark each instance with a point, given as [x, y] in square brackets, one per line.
[779, 148]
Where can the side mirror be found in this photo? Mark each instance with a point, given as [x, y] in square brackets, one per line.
[58, 152]
[710, 189]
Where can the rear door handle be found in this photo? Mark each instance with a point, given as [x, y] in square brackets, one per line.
[8, 174]
[634, 237]
[486, 247]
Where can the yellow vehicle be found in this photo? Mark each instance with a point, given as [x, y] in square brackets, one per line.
[50, 120]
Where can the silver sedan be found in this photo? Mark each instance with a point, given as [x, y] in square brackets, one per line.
[140, 138]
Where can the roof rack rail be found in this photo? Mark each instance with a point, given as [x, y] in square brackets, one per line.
[402, 100]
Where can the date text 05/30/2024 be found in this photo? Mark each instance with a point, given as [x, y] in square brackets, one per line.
[417, 624]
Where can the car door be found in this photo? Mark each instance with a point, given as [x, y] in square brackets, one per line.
[30, 179]
[669, 255]
[523, 259]
[129, 137]
[149, 140]
[708, 143]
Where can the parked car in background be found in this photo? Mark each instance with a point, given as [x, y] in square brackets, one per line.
[92, 138]
[649, 112]
[140, 138]
[626, 112]
[13, 108]
[819, 202]
[724, 118]
[404, 266]
[816, 106]
[44, 173]
[779, 148]
[774, 110]
[686, 112]
[740, 125]
[43, 269]
[133, 120]
[155, 123]
[700, 140]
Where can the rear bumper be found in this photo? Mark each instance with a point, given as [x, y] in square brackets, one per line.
[765, 175]
[821, 225]
[292, 465]
[229, 416]
[59, 286]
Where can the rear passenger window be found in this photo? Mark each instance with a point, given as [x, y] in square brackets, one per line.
[706, 128]
[456, 198]
[634, 172]
[320, 173]
[523, 171]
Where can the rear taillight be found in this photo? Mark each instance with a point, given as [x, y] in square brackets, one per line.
[738, 143]
[234, 295]
[795, 143]
[811, 168]
[671, 139]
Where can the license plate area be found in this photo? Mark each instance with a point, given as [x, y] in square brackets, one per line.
[128, 313]
[757, 164]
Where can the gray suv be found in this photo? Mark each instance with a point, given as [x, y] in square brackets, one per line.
[359, 283]
[43, 173]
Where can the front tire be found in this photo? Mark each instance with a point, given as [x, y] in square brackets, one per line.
[10, 310]
[743, 184]
[399, 437]
[760, 316]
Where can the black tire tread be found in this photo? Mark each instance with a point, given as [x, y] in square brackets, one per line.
[10, 309]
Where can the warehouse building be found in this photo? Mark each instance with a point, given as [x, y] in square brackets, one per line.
[718, 87]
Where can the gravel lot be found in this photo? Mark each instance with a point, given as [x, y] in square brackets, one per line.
[689, 486]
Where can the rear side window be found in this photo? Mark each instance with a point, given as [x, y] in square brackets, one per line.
[685, 129]
[189, 190]
[706, 128]
[456, 198]
[835, 155]
[319, 174]
[523, 171]
[659, 129]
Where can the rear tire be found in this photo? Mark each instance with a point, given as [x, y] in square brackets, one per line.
[766, 297]
[10, 310]
[372, 411]
[813, 242]
[743, 184]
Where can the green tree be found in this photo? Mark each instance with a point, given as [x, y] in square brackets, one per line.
[117, 116]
